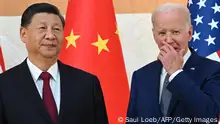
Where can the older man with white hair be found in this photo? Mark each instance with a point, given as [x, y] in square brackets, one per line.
[180, 84]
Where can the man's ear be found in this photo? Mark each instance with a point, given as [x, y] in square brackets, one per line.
[23, 34]
[190, 32]
[152, 30]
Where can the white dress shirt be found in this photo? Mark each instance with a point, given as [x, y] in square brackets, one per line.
[54, 80]
[164, 73]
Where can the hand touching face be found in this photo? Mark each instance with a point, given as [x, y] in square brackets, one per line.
[170, 58]
[171, 34]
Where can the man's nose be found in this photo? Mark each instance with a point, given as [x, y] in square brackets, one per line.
[50, 35]
[169, 39]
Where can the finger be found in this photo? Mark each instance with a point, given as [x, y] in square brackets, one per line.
[182, 52]
[169, 46]
[162, 53]
[160, 57]
[165, 49]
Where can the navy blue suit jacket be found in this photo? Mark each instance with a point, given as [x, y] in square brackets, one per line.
[195, 91]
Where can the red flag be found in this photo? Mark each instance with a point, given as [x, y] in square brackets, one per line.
[2, 65]
[92, 44]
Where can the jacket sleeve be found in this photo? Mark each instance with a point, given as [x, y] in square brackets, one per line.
[131, 112]
[2, 117]
[100, 109]
[201, 100]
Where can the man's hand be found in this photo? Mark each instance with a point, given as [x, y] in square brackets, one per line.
[170, 58]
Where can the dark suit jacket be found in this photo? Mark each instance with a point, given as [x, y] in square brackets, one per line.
[82, 100]
[195, 91]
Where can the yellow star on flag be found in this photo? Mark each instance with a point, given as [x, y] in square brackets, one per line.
[71, 39]
[117, 31]
[101, 44]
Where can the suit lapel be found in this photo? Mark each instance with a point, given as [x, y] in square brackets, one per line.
[68, 81]
[63, 85]
[158, 70]
[30, 91]
[154, 86]
[189, 68]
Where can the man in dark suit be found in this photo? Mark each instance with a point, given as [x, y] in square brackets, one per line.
[180, 85]
[42, 90]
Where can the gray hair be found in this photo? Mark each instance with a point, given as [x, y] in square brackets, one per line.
[173, 6]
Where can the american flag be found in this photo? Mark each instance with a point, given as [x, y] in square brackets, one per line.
[205, 17]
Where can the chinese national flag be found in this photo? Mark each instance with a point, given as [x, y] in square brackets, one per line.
[92, 44]
[2, 65]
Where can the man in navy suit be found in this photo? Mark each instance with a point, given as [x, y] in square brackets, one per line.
[43, 90]
[179, 85]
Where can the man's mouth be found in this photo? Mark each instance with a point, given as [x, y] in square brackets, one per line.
[49, 45]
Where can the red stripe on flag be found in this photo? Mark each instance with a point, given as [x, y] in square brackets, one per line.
[2, 60]
[218, 52]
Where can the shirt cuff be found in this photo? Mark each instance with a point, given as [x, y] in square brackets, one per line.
[174, 74]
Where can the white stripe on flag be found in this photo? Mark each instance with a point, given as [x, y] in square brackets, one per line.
[214, 56]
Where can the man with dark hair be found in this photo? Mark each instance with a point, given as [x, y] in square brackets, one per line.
[39, 8]
[42, 90]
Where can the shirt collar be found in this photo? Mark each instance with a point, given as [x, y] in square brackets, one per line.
[35, 71]
[185, 58]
